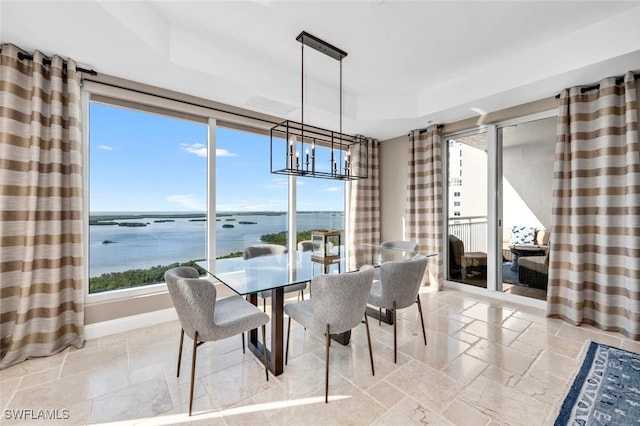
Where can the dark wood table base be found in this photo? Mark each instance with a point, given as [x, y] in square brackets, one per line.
[387, 316]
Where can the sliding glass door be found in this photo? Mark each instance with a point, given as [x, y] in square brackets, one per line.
[527, 152]
[467, 208]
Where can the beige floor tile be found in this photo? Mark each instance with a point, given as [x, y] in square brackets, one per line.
[501, 356]
[34, 365]
[7, 389]
[410, 412]
[516, 324]
[630, 345]
[491, 332]
[347, 405]
[237, 383]
[488, 313]
[460, 413]
[428, 386]
[386, 394]
[464, 368]
[583, 333]
[560, 366]
[135, 402]
[560, 345]
[503, 403]
[440, 350]
[502, 376]
[442, 323]
[40, 378]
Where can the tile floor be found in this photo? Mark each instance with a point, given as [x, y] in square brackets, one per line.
[488, 362]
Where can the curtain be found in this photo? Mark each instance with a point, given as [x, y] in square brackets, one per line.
[594, 261]
[424, 212]
[41, 206]
[364, 206]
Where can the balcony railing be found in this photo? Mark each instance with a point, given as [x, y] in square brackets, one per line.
[472, 230]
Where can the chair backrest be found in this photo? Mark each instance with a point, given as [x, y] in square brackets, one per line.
[259, 250]
[456, 250]
[341, 299]
[194, 299]
[306, 245]
[398, 249]
[401, 281]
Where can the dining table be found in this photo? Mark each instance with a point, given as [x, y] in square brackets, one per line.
[249, 277]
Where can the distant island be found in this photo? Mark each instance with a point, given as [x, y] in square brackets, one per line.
[245, 222]
[228, 225]
[164, 220]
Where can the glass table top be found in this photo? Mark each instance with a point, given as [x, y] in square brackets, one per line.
[275, 271]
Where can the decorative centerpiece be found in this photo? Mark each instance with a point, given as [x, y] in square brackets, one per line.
[326, 246]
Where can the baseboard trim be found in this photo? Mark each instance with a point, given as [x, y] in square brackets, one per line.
[514, 298]
[132, 322]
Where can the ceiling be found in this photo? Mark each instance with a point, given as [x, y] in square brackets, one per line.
[409, 63]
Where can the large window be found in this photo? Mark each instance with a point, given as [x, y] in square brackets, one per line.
[151, 202]
[251, 203]
[147, 195]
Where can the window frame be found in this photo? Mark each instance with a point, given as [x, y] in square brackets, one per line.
[147, 101]
[153, 106]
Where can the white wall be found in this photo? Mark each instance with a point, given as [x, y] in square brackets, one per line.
[394, 160]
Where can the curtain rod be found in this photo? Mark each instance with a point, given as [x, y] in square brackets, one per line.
[424, 129]
[142, 92]
[47, 61]
[597, 85]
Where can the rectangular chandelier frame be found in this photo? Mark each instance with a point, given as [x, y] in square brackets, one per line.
[349, 155]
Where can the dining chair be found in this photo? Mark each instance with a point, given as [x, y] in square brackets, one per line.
[205, 319]
[338, 305]
[260, 250]
[398, 288]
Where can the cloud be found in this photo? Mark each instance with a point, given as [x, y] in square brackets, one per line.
[224, 153]
[105, 147]
[197, 148]
[188, 201]
[332, 189]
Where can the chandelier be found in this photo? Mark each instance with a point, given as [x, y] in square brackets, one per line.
[301, 149]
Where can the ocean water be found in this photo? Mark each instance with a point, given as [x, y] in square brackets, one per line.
[184, 239]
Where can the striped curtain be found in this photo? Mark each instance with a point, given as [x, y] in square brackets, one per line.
[424, 213]
[364, 207]
[594, 262]
[41, 188]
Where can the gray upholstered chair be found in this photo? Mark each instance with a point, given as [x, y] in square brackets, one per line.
[260, 250]
[205, 319]
[398, 289]
[338, 305]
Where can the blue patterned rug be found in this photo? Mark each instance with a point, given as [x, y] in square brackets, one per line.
[606, 391]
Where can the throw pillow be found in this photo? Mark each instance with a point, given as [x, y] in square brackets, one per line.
[523, 235]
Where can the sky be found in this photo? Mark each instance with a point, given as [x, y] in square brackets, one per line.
[146, 162]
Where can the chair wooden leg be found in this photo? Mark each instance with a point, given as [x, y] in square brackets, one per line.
[180, 350]
[395, 334]
[326, 368]
[243, 351]
[302, 294]
[424, 334]
[264, 305]
[379, 316]
[193, 370]
[286, 351]
[264, 350]
[366, 323]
